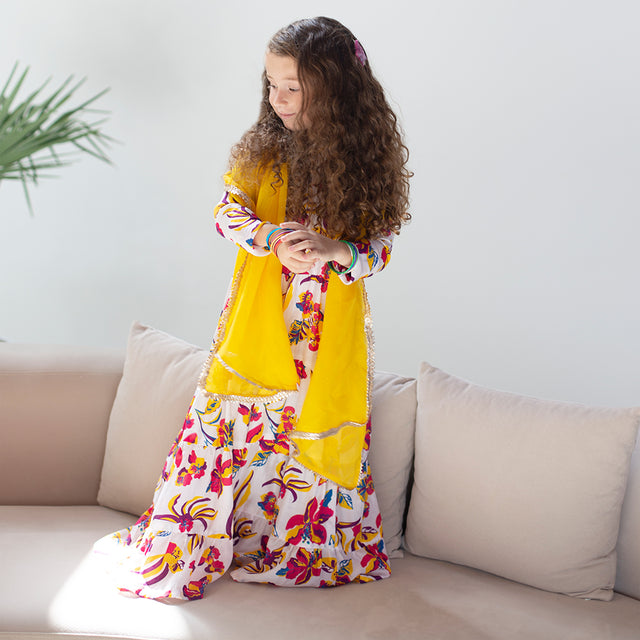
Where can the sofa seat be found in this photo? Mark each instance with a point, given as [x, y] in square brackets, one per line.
[53, 584]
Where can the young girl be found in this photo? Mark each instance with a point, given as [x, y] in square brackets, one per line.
[270, 470]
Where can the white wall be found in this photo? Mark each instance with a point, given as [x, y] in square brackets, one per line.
[521, 265]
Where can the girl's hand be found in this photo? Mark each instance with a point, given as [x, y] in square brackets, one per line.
[305, 244]
[295, 261]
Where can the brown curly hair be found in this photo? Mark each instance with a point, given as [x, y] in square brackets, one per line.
[348, 168]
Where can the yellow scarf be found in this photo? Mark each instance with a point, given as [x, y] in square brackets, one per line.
[251, 358]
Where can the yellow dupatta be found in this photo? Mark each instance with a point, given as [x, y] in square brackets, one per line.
[251, 358]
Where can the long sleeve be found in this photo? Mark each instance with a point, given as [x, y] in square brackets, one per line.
[237, 222]
[373, 256]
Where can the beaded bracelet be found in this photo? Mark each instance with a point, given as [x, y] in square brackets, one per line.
[354, 259]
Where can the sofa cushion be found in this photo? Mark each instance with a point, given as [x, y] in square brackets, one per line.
[628, 576]
[520, 487]
[160, 375]
[63, 591]
[393, 423]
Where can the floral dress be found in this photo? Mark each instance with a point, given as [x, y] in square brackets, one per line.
[231, 492]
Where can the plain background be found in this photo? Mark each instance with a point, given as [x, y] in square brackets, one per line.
[520, 268]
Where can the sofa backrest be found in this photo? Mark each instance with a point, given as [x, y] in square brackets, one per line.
[54, 413]
[56, 402]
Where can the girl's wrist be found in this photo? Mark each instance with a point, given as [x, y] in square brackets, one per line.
[341, 267]
[344, 254]
[264, 230]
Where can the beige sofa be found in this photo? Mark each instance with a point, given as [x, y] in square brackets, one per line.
[515, 504]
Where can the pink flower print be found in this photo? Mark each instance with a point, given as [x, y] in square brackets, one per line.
[279, 445]
[221, 475]
[196, 469]
[375, 558]
[253, 435]
[309, 527]
[306, 303]
[362, 247]
[144, 519]
[192, 438]
[302, 372]
[239, 459]
[223, 433]
[288, 420]
[385, 255]
[303, 566]
[250, 414]
[210, 558]
[365, 486]
[314, 339]
[272, 558]
[195, 589]
[145, 547]
[341, 575]
[269, 506]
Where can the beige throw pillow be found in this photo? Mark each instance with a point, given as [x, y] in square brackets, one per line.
[628, 576]
[393, 422]
[527, 489]
[159, 379]
[158, 382]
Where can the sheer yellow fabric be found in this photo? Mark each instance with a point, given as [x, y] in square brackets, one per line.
[252, 358]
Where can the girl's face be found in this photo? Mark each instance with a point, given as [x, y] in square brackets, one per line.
[285, 92]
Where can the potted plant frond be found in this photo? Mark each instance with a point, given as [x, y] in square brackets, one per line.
[42, 132]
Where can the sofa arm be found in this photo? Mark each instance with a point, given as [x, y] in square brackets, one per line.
[54, 412]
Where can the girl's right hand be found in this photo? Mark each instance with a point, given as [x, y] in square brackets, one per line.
[295, 261]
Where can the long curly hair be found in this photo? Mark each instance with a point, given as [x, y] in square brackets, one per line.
[348, 169]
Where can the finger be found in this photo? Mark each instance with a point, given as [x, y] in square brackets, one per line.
[287, 254]
[290, 224]
[294, 237]
[304, 245]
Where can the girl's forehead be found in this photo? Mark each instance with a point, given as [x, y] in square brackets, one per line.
[284, 67]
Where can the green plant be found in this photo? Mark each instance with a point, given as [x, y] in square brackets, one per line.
[32, 130]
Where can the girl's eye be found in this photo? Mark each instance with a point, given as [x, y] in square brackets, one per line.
[294, 89]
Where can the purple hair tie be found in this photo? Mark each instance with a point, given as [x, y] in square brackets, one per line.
[360, 54]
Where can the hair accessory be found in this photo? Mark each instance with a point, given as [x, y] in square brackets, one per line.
[360, 54]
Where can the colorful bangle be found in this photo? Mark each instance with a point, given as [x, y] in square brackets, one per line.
[268, 246]
[354, 259]
[274, 242]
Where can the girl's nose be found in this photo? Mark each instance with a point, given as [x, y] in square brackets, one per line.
[280, 97]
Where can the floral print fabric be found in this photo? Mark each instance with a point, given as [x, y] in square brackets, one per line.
[231, 492]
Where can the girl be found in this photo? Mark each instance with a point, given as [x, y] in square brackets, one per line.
[270, 470]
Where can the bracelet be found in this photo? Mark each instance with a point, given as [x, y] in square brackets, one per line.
[274, 242]
[269, 236]
[354, 259]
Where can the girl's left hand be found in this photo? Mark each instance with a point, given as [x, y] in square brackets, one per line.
[315, 246]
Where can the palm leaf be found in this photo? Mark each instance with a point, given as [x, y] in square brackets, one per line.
[32, 130]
